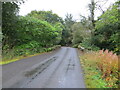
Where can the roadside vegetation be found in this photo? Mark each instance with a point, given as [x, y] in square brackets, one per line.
[43, 31]
[14, 55]
[101, 50]
[100, 69]
[103, 35]
[37, 32]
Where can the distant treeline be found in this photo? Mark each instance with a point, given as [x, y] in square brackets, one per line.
[44, 29]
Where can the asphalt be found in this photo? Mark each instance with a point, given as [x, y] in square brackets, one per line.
[58, 69]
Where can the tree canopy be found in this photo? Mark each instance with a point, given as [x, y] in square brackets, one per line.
[45, 29]
[107, 33]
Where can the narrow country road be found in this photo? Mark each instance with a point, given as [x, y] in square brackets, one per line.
[58, 69]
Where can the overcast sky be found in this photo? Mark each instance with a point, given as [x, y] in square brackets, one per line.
[61, 7]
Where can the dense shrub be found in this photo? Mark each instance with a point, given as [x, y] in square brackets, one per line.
[33, 36]
[26, 50]
[37, 30]
[88, 45]
[33, 33]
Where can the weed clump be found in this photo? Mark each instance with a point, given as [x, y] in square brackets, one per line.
[105, 64]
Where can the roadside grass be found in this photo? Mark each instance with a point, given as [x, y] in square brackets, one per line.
[98, 72]
[10, 57]
[16, 58]
[92, 76]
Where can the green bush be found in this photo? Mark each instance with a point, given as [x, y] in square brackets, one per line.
[107, 32]
[75, 46]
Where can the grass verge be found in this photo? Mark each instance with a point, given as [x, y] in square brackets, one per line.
[16, 58]
[93, 75]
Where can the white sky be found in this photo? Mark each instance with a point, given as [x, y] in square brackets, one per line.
[61, 7]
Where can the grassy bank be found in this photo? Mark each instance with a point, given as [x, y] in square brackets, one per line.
[11, 56]
[100, 69]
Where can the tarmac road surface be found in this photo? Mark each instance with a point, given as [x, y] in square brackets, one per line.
[58, 69]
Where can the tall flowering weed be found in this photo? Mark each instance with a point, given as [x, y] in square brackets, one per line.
[107, 63]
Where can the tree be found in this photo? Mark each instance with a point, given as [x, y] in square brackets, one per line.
[0, 24]
[48, 16]
[33, 29]
[9, 20]
[92, 7]
[107, 30]
[81, 32]
[52, 19]
[67, 32]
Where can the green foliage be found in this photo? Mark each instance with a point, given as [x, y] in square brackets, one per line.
[88, 45]
[33, 33]
[75, 46]
[59, 28]
[91, 74]
[92, 7]
[67, 31]
[54, 20]
[106, 33]
[1, 36]
[80, 32]
[34, 36]
[9, 20]
[48, 16]
[40, 31]
[24, 50]
[31, 47]
[107, 28]
[82, 35]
